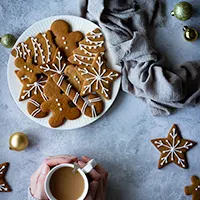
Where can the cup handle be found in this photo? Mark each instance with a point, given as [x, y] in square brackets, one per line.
[89, 166]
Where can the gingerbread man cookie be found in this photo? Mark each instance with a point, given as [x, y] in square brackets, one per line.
[33, 106]
[173, 148]
[97, 78]
[41, 48]
[32, 88]
[91, 107]
[27, 69]
[59, 104]
[66, 41]
[194, 189]
[4, 187]
[73, 77]
[88, 48]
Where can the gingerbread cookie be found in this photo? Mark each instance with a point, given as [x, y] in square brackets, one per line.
[27, 69]
[73, 77]
[97, 78]
[59, 104]
[4, 187]
[88, 49]
[91, 107]
[32, 88]
[41, 48]
[66, 41]
[33, 106]
[173, 148]
[194, 189]
[57, 66]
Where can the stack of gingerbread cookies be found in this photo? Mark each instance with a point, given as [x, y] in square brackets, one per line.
[64, 73]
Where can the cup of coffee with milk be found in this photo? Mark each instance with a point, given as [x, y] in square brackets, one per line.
[68, 181]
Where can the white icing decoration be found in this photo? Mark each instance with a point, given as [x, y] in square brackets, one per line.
[48, 47]
[76, 78]
[94, 100]
[37, 87]
[63, 38]
[60, 109]
[173, 149]
[197, 188]
[24, 77]
[94, 114]
[60, 80]
[97, 77]
[34, 102]
[24, 52]
[64, 42]
[58, 104]
[84, 107]
[57, 69]
[66, 48]
[35, 45]
[3, 167]
[67, 92]
[76, 98]
[2, 187]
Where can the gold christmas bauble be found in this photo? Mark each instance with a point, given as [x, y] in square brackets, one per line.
[18, 141]
[190, 34]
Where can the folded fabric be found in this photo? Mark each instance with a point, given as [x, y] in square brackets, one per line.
[126, 25]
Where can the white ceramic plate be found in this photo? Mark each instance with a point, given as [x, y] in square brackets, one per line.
[76, 23]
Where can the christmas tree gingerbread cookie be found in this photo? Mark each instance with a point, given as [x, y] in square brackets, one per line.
[34, 104]
[65, 40]
[194, 189]
[88, 49]
[27, 70]
[173, 148]
[97, 78]
[4, 187]
[59, 104]
[41, 48]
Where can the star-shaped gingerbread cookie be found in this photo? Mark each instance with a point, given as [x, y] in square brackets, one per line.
[173, 148]
[4, 187]
[97, 78]
[194, 189]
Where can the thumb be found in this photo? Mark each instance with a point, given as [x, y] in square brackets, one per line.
[92, 190]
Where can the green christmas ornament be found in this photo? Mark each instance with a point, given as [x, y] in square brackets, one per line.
[190, 34]
[182, 11]
[8, 40]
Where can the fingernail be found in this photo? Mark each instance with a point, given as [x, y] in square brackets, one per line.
[45, 170]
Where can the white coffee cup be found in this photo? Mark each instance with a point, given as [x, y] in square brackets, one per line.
[89, 166]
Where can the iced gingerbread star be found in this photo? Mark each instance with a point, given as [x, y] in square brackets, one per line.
[194, 189]
[173, 148]
[97, 78]
[4, 187]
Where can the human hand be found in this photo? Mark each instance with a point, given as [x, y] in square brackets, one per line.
[98, 184]
[38, 178]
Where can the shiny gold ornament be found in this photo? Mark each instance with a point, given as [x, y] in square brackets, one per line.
[18, 141]
[190, 34]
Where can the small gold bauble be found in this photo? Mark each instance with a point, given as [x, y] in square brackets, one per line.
[18, 141]
[190, 34]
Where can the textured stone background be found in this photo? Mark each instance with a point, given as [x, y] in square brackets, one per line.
[120, 139]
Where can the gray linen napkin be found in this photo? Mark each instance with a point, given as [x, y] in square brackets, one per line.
[126, 24]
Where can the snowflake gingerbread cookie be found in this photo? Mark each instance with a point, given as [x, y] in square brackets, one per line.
[4, 187]
[173, 148]
[88, 48]
[66, 41]
[41, 48]
[194, 189]
[97, 78]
